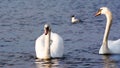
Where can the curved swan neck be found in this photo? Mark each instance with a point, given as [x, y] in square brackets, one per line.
[47, 45]
[107, 29]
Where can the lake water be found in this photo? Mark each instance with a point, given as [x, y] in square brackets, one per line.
[21, 22]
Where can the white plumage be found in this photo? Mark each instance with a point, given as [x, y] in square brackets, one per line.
[108, 46]
[113, 47]
[56, 46]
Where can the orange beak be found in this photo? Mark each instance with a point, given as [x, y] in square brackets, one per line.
[46, 31]
[98, 13]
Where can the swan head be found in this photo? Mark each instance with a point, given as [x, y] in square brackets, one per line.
[102, 10]
[47, 29]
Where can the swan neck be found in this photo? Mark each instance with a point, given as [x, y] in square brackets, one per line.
[47, 45]
[107, 29]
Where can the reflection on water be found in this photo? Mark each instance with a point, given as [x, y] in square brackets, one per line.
[110, 61]
[21, 22]
[54, 63]
[39, 65]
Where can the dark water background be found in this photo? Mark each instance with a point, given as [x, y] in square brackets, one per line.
[21, 22]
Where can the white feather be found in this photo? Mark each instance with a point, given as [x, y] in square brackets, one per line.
[56, 47]
[108, 46]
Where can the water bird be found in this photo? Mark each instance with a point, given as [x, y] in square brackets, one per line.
[74, 20]
[108, 46]
[49, 45]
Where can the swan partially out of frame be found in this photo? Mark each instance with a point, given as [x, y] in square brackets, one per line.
[108, 46]
[49, 45]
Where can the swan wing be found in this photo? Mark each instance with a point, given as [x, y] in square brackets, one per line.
[57, 46]
[39, 47]
[114, 46]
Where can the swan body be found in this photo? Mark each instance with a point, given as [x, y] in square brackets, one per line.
[113, 47]
[108, 46]
[74, 20]
[49, 47]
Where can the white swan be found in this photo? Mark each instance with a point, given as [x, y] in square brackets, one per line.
[74, 20]
[108, 46]
[49, 45]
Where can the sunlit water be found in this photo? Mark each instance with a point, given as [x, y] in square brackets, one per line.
[21, 22]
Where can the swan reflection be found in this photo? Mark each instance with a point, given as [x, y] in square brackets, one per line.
[110, 61]
[48, 64]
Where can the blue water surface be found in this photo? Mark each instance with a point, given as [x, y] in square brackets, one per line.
[21, 22]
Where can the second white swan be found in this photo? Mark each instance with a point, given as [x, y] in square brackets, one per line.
[108, 46]
[49, 44]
